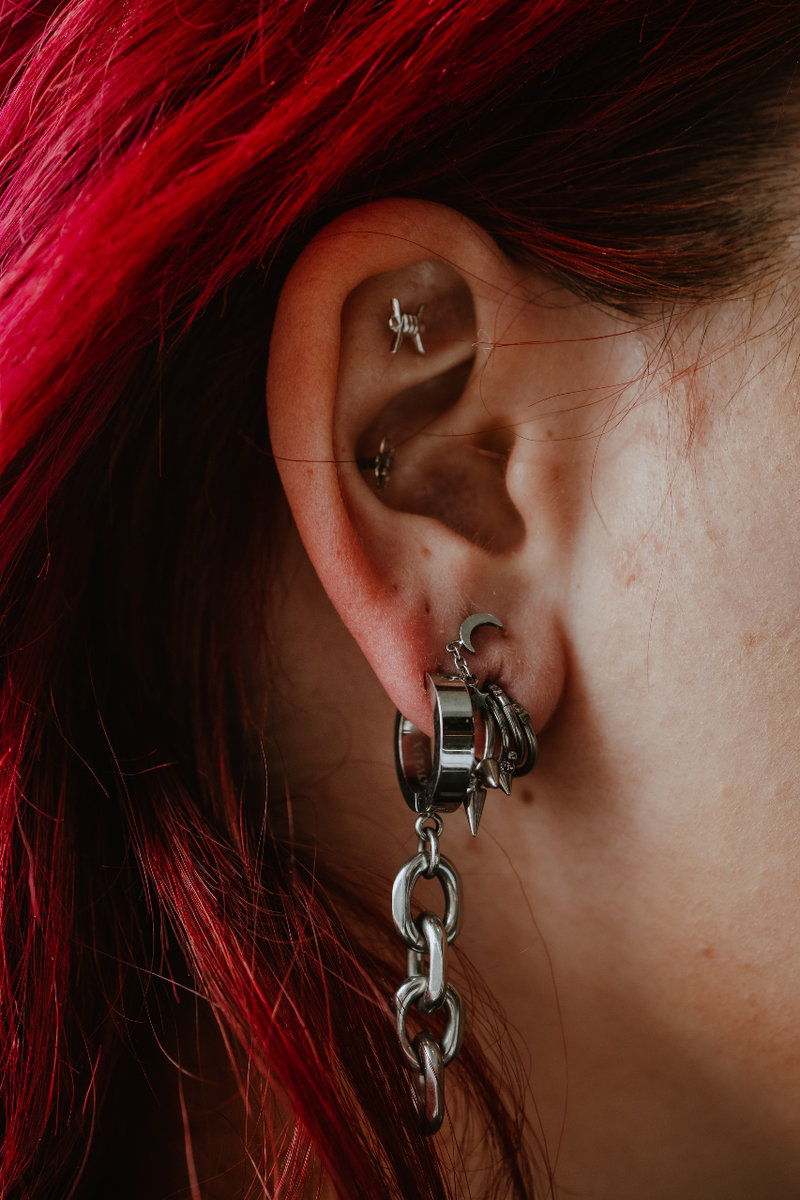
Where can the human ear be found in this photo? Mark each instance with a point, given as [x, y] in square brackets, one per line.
[460, 525]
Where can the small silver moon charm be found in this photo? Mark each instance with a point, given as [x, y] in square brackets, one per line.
[470, 624]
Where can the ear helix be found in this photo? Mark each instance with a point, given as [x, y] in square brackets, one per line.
[435, 779]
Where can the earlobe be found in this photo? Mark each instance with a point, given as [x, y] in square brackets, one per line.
[374, 369]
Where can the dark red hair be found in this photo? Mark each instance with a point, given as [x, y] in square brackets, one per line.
[162, 163]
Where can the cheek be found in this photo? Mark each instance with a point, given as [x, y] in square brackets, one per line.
[688, 567]
[667, 852]
[730, 582]
[686, 679]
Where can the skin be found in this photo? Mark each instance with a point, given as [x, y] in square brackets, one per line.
[632, 905]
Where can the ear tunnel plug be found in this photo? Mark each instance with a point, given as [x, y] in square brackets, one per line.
[453, 772]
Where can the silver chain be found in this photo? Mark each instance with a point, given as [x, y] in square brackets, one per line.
[462, 667]
[440, 778]
[427, 938]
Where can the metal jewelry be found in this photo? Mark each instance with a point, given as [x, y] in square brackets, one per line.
[380, 464]
[436, 779]
[406, 325]
[451, 772]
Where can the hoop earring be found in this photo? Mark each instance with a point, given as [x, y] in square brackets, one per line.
[438, 779]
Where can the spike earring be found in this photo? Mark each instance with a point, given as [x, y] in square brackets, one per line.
[440, 779]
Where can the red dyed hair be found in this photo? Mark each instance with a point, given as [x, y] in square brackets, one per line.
[162, 164]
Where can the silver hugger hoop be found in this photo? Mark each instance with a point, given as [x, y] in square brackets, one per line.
[435, 779]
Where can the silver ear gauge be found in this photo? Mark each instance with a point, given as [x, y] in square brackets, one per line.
[406, 325]
[437, 778]
[452, 771]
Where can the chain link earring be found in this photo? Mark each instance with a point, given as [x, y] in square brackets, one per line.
[436, 779]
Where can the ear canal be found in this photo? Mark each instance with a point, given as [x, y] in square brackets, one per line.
[422, 439]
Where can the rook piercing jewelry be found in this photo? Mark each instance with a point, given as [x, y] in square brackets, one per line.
[380, 464]
[406, 325]
[434, 780]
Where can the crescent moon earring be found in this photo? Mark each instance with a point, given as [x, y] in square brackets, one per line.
[434, 779]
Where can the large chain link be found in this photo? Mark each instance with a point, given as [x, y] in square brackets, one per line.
[427, 938]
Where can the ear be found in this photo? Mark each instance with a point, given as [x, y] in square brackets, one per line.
[383, 346]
